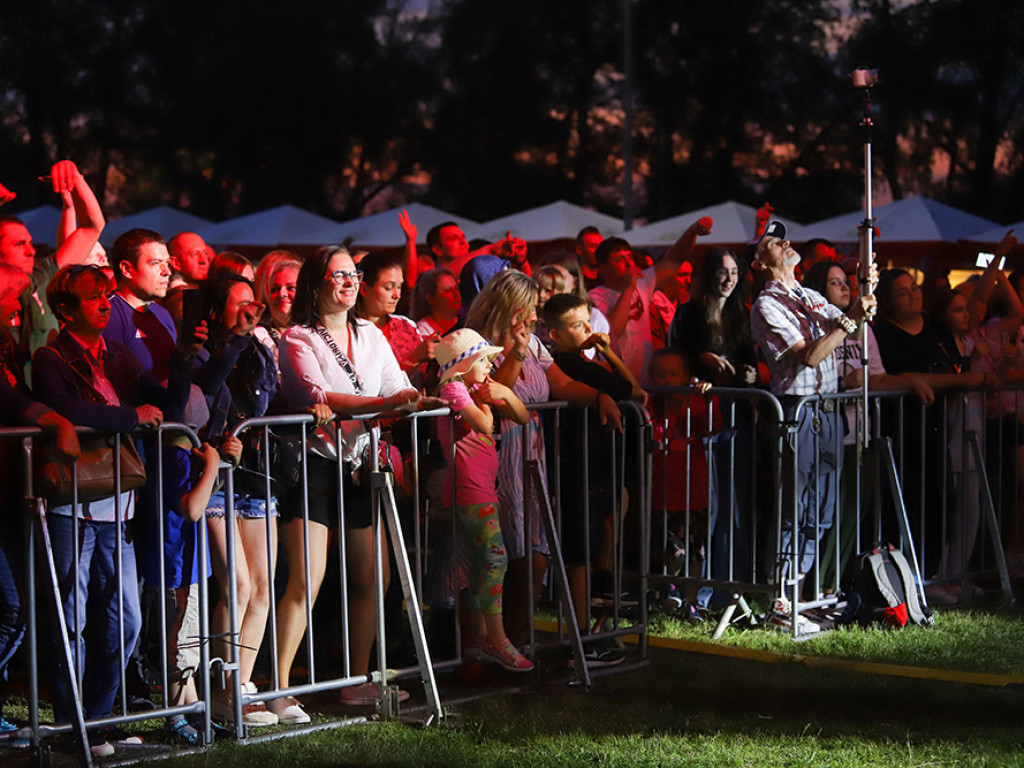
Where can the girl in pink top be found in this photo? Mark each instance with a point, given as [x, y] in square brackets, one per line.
[465, 360]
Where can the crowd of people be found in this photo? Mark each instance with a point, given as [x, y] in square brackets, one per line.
[166, 330]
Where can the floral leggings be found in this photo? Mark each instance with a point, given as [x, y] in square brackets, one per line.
[486, 554]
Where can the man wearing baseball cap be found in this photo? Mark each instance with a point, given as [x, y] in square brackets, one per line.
[798, 331]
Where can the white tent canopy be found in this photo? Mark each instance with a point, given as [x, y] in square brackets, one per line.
[383, 230]
[163, 219]
[283, 225]
[914, 220]
[733, 223]
[994, 235]
[547, 222]
[41, 223]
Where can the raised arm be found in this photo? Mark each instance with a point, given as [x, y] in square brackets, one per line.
[88, 216]
[412, 262]
[680, 251]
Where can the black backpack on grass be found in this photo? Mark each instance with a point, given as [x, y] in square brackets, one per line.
[882, 590]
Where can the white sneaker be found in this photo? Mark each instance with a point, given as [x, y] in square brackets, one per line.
[253, 715]
[288, 710]
[780, 618]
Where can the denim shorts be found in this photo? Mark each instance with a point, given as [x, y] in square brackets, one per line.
[249, 507]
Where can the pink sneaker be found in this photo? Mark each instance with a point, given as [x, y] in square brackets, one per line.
[507, 656]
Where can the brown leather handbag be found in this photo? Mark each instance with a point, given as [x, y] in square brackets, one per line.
[54, 479]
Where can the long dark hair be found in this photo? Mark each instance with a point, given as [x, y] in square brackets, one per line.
[215, 295]
[306, 307]
[735, 322]
[816, 278]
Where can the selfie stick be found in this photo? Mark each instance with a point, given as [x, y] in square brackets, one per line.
[865, 78]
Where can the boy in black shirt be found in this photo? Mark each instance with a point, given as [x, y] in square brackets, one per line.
[567, 318]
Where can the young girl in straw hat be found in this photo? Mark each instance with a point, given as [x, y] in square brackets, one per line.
[465, 361]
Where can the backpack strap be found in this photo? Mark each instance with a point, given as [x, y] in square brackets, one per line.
[877, 563]
[917, 612]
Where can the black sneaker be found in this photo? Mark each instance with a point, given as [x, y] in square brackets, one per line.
[597, 655]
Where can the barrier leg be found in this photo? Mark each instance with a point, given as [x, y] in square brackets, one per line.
[385, 492]
[993, 522]
[53, 590]
[730, 610]
[548, 519]
[888, 461]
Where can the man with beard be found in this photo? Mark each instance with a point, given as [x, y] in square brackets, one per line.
[798, 331]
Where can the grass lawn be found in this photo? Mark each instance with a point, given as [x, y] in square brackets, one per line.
[694, 709]
[969, 641]
[686, 708]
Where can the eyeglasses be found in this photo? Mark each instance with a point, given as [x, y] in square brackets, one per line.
[340, 276]
[837, 283]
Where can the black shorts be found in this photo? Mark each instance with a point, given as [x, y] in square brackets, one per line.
[323, 496]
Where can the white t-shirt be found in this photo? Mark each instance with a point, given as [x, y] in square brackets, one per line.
[635, 344]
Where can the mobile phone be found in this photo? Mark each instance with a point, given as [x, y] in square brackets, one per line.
[984, 259]
[193, 312]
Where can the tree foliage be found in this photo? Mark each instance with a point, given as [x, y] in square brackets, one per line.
[488, 108]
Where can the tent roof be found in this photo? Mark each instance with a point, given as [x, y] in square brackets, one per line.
[383, 230]
[283, 225]
[42, 223]
[163, 219]
[547, 222]
[997, 233]
[734, 223]
[914, 219]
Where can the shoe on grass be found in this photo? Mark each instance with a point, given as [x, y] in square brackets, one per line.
[253, 715]
[673, 599]
[692, 614]
[507, 656]
[780, 618]
[288, 710]
[182, 731]
[598, 654]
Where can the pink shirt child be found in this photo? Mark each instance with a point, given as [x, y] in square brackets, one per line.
[476, 458]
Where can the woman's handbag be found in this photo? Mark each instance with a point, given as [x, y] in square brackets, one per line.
[54, 479]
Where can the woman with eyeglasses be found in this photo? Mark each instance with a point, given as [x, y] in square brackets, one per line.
[341, 366]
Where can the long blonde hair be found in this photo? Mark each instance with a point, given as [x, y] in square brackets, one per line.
[491, 312]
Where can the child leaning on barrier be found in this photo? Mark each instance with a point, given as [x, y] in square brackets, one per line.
[679, 480]
[189, 477]
[567, 317]
[465, 363]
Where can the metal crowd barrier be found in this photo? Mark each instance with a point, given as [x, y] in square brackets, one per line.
[39, 542]
[751, 454]
[941, 482]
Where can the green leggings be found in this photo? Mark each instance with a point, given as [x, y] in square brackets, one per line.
[486, 554]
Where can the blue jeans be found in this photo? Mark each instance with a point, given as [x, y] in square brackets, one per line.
[817, 488]
[96, 583]
[12, 610]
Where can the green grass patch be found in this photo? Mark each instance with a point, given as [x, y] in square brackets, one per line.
[682, 710]
[967, 641]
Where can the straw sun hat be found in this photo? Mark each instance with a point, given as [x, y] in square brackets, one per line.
[459, 350]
